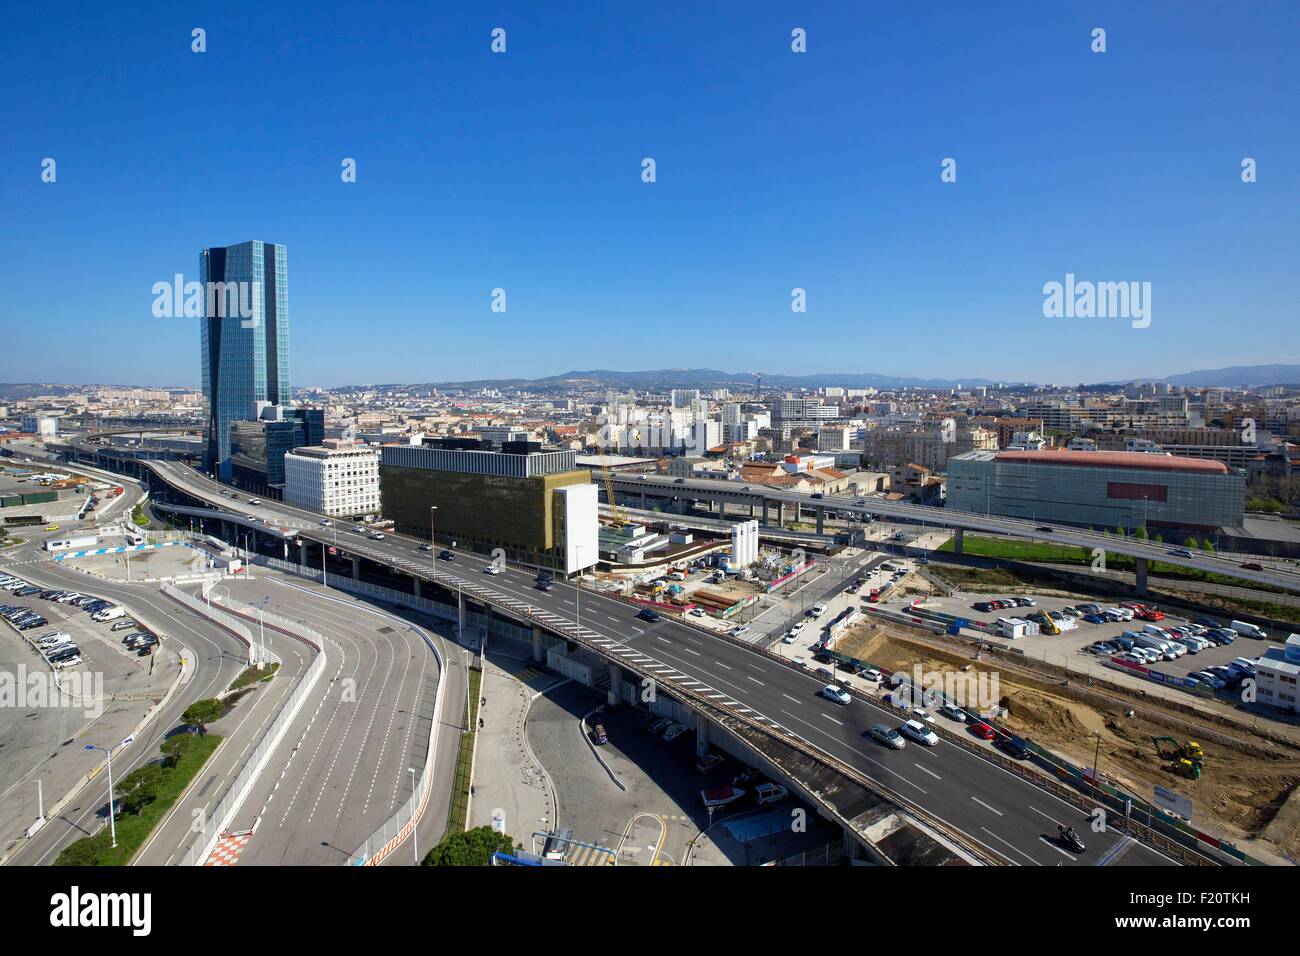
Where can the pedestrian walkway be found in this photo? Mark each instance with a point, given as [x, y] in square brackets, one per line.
[589, 856]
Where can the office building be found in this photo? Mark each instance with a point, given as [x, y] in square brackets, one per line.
[257, 448]
[1100, 489]
[335, 478]
[245, 360]
[536, 505]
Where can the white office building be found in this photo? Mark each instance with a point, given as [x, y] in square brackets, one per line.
[334, 479]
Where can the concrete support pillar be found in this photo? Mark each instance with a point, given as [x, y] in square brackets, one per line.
[957, 541]
[538, 656]
[821, 520]
[356, 569]
[701, 735]
[1140, 585]
[780, 513]
[643, 501]
[418, 582]
[615, 684]
[302, 551]
[460, 616]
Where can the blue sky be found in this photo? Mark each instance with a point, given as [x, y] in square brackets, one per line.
[775, 171]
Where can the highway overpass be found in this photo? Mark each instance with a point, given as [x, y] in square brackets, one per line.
[965, 798]
[767, 504]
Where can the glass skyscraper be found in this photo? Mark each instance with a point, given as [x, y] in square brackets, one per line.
[245, 359]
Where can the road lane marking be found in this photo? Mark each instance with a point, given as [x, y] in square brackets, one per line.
[986, 806]
[795, 699]
[924, 770]
[1012, 847]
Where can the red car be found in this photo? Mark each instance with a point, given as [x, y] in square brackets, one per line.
[1150, 614]
[982, 731]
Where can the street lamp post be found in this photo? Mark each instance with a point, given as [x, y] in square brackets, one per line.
[112, 805]
[433, 535]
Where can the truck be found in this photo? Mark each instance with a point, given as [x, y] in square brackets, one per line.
[1158, 644]
[68, 544]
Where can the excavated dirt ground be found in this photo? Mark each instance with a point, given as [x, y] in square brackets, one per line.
[1240, 792]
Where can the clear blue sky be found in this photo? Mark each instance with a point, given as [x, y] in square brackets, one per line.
[775, 170]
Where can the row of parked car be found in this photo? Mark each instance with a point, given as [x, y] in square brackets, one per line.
[985, 607]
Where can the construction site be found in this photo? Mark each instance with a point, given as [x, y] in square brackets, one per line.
[1242, 786]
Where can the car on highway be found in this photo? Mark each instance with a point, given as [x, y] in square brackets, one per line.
[835, 693]
[445, 555]
[953, 712]
[1252, 566]
[376, 536]
[491, 569]
[1179, 552]
[425, 547]
[982, 730]
[884, 734]
[326, 523]
[920, 732]
[254, 501]
[648, 614]
[1046, 529]
[1013, 746]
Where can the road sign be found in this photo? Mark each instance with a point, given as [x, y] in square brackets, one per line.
[1175, 803]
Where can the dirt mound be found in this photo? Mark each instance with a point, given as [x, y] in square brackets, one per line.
[1030, 713]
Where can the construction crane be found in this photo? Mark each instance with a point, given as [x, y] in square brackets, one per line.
[618, 519]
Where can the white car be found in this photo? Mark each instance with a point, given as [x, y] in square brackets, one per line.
[740, 631]
[836, 693]
[696, 612]
[922, 715]
[920, 733]
[790, 638]
[376, 536]
[326, 523]
[797, 627]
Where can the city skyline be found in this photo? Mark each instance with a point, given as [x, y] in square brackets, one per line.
[523, 172]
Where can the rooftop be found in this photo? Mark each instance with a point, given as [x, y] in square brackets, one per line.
[1116, 459]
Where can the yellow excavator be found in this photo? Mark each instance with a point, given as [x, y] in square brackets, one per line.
[1186, 760]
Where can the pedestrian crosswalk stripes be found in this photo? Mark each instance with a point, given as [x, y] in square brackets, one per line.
[589, 856]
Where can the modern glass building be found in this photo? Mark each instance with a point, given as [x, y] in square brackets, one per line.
[257, 449]
[1099, 489]
[245, 358]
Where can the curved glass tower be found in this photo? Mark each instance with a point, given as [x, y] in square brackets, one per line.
[245, 347]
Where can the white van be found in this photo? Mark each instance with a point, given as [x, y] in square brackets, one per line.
[109, 614]
[1155, 631]
[1248, 630]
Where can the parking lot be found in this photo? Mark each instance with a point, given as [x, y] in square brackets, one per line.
[106, 695]
[1076, 642]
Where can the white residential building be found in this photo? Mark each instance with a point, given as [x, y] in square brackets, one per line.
[335, 479]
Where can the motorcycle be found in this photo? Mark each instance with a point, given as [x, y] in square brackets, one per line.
[1071, 839]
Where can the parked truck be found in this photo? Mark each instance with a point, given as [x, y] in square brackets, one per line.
[67, 544]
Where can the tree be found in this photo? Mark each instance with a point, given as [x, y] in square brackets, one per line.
[1141, 533]
[1207, 546]
[140, 787]
[203, 712]
[470, 848]
[1190, 544]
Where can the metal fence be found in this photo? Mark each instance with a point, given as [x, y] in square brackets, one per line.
[213, 824]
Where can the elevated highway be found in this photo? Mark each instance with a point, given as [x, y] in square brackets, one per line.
[764, 502]
[992, 815]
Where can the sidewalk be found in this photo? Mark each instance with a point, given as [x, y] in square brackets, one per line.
[512, 784]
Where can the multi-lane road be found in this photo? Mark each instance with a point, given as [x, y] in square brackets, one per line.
[660, 486]
[1010, 817]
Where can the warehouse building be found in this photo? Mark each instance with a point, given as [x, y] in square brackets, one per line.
[1100, 489]
[536, 505]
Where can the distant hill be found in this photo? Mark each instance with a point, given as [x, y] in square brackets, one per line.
[666, 378]
[1242, 376]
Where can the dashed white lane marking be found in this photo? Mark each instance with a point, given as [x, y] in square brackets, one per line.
[925, 770]
[1012, 847]
[986, 806]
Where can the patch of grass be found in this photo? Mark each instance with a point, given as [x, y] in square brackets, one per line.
[459, 814]
[138, 516]
[252, 675]
[192, 752]
[1045, 553]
